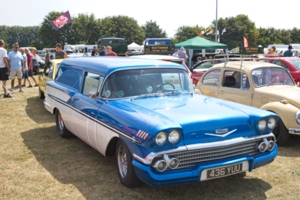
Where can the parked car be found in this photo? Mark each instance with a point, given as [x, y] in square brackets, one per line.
[48, 74]
[201, 67]
[161, 132]
[40, 61]
[259, 84]
[292, 64]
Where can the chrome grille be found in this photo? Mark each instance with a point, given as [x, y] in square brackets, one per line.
[192, 157]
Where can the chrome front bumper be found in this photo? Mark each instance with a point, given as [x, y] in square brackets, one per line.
[295, 131]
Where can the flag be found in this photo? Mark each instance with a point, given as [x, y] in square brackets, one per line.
[209, 32]
[203, 32]
[61, 21]
[224, 30]
[245, 41]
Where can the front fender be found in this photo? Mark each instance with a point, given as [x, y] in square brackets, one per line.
[286, 112]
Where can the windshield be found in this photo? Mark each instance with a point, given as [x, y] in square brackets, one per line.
[146, 82]
[296, 63]
[271, 76]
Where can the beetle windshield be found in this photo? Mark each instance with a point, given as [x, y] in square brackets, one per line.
[271, 76]
[136, 82]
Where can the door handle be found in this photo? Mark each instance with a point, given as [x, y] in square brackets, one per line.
[221, 92]
[75, 98]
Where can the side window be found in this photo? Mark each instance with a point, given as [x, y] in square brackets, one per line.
[92, 83]
[283, 65]
[212, 78]
[70, 76]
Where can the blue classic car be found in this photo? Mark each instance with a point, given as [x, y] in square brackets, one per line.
[146, 113]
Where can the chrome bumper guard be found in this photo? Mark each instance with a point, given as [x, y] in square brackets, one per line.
[295, 131]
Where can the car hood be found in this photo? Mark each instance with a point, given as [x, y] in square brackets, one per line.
[203, 118]
[281, 92]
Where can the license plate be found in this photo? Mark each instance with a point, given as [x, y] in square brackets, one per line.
[224, 171]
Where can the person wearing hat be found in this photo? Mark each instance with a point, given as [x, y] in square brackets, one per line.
[289, 52]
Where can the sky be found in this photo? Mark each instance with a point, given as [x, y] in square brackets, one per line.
[169, 15]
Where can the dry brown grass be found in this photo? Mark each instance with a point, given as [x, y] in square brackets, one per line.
[35, 163]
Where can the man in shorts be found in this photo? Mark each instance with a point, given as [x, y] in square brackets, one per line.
[15, 60]
[4, 69]
[25, 73]
[30, 66]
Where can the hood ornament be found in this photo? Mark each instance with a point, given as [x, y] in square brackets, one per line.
[221, 132]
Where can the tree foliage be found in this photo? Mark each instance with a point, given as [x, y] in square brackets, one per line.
[187, 32]
[122, 26]
[152, 30]
[86, 28]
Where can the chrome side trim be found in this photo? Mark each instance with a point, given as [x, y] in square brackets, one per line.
[148, 159]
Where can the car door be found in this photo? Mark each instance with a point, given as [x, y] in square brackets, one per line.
[208, 84]
[86, 109]
[235, 87]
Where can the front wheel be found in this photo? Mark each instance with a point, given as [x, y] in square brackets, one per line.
[281, 133]
[61, 128]
[126, 172]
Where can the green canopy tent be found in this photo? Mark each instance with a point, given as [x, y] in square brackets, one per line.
[199, 43]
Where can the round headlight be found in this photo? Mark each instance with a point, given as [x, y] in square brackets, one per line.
[298, 117]
[262, 125]
[174, 137]
[271, 123]
[161, 138]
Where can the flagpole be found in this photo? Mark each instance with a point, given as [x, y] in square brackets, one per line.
[216, 21]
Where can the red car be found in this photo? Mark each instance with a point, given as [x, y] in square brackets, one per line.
[200, 68]
[292, 64]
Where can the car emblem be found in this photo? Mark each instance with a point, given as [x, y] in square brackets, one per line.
[221, 132]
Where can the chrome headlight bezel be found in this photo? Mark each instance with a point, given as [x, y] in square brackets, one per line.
[262, 125]
[271, 123]
[174, 137]
[161, 138]
[297, 117]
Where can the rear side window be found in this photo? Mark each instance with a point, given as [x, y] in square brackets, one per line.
[212, 78]
[70, 77]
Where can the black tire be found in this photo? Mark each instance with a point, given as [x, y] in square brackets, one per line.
[281, 133]
[41, 94]
[126, 172]
[61, 128]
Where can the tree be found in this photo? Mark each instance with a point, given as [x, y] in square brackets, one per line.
[152, 30]
[49, 36]
[236, 28]
[122, 26]
[86, 28]
[187, 32]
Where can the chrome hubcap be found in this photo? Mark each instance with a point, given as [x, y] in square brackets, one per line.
[122, 161]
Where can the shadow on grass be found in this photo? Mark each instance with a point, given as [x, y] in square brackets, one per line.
[71, 161]
[292, 148]
[36, 111]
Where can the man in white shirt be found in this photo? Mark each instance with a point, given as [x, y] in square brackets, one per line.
[4, 68]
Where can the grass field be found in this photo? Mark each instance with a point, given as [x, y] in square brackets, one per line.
[35, 163]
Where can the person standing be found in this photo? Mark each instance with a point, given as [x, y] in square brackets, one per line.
[15, 60]
[4, 69]
[182, 54]
[60, 54]
[30, 66]
[95, 51]
[175, 54]
[25, 73]
[47, 59]
[103, 51]
[288, 53]
[110, 52]
[273, 50]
